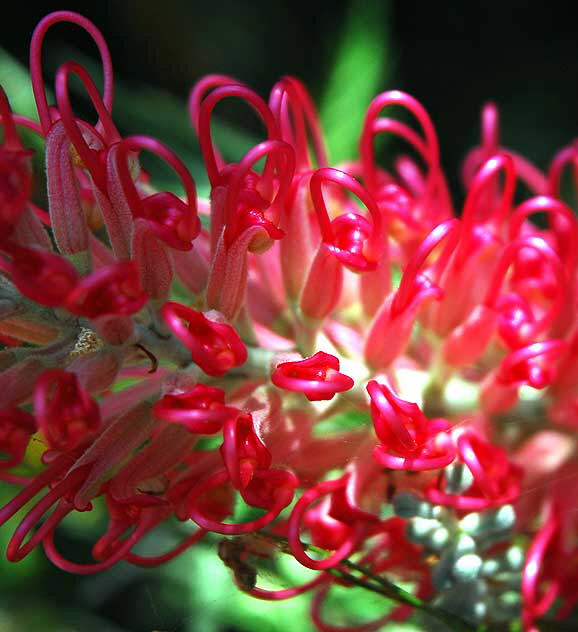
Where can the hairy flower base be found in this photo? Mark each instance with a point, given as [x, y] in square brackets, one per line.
[298, 397]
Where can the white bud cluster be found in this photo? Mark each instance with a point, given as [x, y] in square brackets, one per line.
[470, 578]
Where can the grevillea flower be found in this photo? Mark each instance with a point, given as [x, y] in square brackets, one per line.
[201, 409]
[157, 358]
[215, 346]
[15, 171]
[317, 377]
[65, 413]
[408, 440]
[16, 428]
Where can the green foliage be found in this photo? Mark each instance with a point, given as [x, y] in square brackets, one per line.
[359, 72]
[342, 422]
[15, 80]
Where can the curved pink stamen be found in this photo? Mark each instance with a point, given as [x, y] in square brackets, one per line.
[36, 61]
[285, 168]
[383, 402]
[373, 246]
[317, 377]
[294, 111]
[483, 179]
[404, 131]
[16, 550]
[287, 593]
[149, 562]
[146, 143]
[90, 157]
[239, 433]
[518, 366]
[394, 97]
[561, 219]
[200, 90]
[294, 527]
[508, 258]
[564, 158]
[535, 605]
[206, 110]
[33, 126]
[447, 230]
[189, 226]
[283, 498]
[59, 465]
[215, 347]
[88, 569]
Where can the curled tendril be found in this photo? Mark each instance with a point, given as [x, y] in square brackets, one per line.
[174, 221]
[44, 113]
[427, 147]
[356, 242]
[295, 112]
[204, 122]
[236, 220]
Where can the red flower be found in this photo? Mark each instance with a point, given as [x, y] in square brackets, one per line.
[317, 377]
[200, 410]
[215, 346]
[65, 412]
[114, 289]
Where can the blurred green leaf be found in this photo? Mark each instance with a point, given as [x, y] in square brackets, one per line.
[15, 80]
[359, 71]
[343, 422]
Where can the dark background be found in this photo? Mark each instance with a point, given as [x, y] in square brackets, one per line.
[453, 56]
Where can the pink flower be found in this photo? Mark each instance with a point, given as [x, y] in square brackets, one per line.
[318, 377]
[449, 351]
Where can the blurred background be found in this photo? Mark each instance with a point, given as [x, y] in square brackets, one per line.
[452, 56]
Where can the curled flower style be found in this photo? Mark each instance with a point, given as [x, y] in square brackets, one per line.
[517, 321]
[317, 377]
[540, 579]
[408, 440]
[92, 159]
[356, 242]
[239, 223]
[203, 122]
[214, 346]
[200, 410]
[527, 365]
[114, 289]
[45, 113]
[243, 451]
[405, 198]
[65, 413]
[271, 490]
[349, 538]
[44, 277]
[295, 113]
[16, 428]
[391, 328]
[15, 171]
[174, 221]
[496, 481]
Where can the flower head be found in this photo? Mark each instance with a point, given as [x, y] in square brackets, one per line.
[162, 360]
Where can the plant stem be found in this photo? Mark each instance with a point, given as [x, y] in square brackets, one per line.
[382, 586]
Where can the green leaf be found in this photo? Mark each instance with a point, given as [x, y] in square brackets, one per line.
[360, 71]
[15, 80]
[342, 422]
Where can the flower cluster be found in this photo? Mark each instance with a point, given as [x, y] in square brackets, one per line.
[137, 326]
